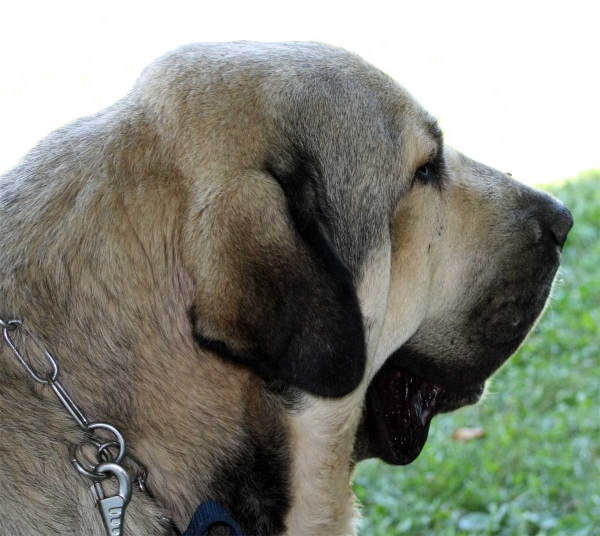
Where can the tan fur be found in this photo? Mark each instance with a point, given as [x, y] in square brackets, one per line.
[113, 229]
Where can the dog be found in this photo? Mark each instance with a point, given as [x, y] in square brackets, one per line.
[263, 265]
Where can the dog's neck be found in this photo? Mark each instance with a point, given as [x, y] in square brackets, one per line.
[323, 441]
[207, 429]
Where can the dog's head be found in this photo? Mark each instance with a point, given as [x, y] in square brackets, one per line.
[337, 244]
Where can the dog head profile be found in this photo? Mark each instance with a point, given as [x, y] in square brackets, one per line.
[338, 241]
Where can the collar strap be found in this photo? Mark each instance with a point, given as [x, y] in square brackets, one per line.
[208, 515]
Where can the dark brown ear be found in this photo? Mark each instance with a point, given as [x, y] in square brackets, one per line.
[271, 292]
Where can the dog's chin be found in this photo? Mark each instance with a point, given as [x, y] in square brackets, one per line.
[398, 411]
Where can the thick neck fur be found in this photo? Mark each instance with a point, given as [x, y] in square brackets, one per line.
[109, 295]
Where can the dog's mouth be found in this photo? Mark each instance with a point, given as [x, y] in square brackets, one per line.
[399, 409]
[418, 381]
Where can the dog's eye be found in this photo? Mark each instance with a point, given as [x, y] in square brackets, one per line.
[425, 173]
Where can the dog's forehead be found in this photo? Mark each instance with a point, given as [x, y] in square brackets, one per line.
[333, 93]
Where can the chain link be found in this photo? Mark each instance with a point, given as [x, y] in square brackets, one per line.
[15, 325]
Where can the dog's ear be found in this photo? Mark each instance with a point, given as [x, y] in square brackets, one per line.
[271, 293]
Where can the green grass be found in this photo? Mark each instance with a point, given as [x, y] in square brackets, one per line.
[537, 470]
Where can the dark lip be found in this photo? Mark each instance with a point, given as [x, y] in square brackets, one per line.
[452, 397]
[375, 438]
[463, 381]
[452, 400]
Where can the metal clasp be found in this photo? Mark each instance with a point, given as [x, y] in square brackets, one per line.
[112, 508]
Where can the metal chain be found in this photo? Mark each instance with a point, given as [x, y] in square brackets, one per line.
[107, 464]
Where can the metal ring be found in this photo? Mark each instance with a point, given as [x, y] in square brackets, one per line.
[101, 456]
[118, 435]
[84, 459]
[104, 450]
[81, 469]
[7, 325]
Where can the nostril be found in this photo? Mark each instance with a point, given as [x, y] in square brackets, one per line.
[561, 224]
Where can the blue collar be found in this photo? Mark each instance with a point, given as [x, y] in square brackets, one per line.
[210, 514]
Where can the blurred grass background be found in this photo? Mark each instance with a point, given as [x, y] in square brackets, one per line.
[536, 471]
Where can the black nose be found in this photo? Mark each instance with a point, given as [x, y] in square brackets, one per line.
[560, 222]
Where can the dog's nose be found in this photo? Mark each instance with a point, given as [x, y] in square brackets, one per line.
[559, 221]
